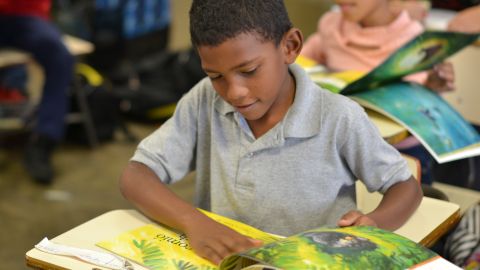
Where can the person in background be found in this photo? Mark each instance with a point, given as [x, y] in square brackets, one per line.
[270, 148]
[417, 9]
[467, 20]
[360, 37]
[25, 25]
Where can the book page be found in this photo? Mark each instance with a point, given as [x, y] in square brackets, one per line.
[421, 53]
[160, 247]
[360, 247]
[441, 129]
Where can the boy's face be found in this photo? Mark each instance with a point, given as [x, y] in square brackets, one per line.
[364, 12]
[251, 74]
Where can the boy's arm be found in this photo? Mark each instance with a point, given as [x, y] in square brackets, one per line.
[467, 21]
[398, 203]
[209, 239]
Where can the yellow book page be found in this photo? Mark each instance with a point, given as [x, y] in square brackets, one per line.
[243, 228]
[335, 81]
[305, 62]
[160, 247]
[156, 247]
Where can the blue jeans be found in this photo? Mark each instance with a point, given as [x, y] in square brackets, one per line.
[41, 39]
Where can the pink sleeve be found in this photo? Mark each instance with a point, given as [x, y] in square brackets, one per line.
[312, 48]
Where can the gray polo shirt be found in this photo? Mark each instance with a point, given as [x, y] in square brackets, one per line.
[299, 175]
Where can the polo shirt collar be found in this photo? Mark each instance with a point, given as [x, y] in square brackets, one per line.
[303, 119]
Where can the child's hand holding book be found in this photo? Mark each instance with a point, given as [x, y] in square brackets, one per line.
[214, 241]
[356, 218]
[441, 78]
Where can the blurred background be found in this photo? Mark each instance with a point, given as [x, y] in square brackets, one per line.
[138, 45]
[140, 65]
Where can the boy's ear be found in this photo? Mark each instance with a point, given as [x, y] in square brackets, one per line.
[292, 44]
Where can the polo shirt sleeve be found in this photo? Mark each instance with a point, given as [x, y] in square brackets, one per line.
[371, 159]
[170, 150]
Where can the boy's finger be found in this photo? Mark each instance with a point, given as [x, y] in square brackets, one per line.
[349, 218]
[218, 250]
[256, 242]
[211, 255]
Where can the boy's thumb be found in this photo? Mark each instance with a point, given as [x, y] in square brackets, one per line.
[256, 242]
[348, 219]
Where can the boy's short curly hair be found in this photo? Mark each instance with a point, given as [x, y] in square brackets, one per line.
[214, 21]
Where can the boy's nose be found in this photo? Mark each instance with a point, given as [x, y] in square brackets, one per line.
[236, 92]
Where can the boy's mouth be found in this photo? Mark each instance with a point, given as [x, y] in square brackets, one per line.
[244, 107]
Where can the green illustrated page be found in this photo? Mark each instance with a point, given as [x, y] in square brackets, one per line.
[162, 248]
[439, 127]
[421, 53]
[335, 248]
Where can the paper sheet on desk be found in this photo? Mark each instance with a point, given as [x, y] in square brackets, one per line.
[96, 257]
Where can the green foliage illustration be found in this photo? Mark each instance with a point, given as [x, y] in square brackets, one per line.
[152, 256]
[340, 248]
[185, 265]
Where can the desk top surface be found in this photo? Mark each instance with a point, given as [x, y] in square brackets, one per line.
[423, 227]
[76, 46]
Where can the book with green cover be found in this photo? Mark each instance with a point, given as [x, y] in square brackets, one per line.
[158, 247]
[360, 247]
[438, 126]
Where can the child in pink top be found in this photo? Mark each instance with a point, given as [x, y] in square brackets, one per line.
[360, 37]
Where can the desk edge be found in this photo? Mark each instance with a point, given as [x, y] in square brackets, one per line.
[450, 222]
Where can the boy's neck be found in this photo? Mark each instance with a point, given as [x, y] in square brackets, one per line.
[268, 121]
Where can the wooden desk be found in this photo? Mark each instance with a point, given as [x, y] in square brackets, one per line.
[429, 222]
[425, 225]
[86, 235]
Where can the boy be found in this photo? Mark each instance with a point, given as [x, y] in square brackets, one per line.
[269, 147]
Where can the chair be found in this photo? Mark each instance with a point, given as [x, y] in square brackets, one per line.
[35, 80]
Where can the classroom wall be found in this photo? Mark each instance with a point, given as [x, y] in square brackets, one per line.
[466, 97]
[303, 13]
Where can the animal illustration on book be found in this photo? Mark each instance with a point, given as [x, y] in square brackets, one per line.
[159, 247]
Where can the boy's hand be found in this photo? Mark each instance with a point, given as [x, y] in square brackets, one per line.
[214, 241]
[356, 218]
[441, 78]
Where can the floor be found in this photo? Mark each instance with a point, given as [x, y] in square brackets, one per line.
[85, 186]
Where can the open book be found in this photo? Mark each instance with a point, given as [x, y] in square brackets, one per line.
[159, 247]
[439, 127]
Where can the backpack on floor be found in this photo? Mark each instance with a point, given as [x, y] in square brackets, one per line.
[149, 90]
[103, 107]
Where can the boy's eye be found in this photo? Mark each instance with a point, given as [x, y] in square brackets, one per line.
[214, 77]
[249, 72]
